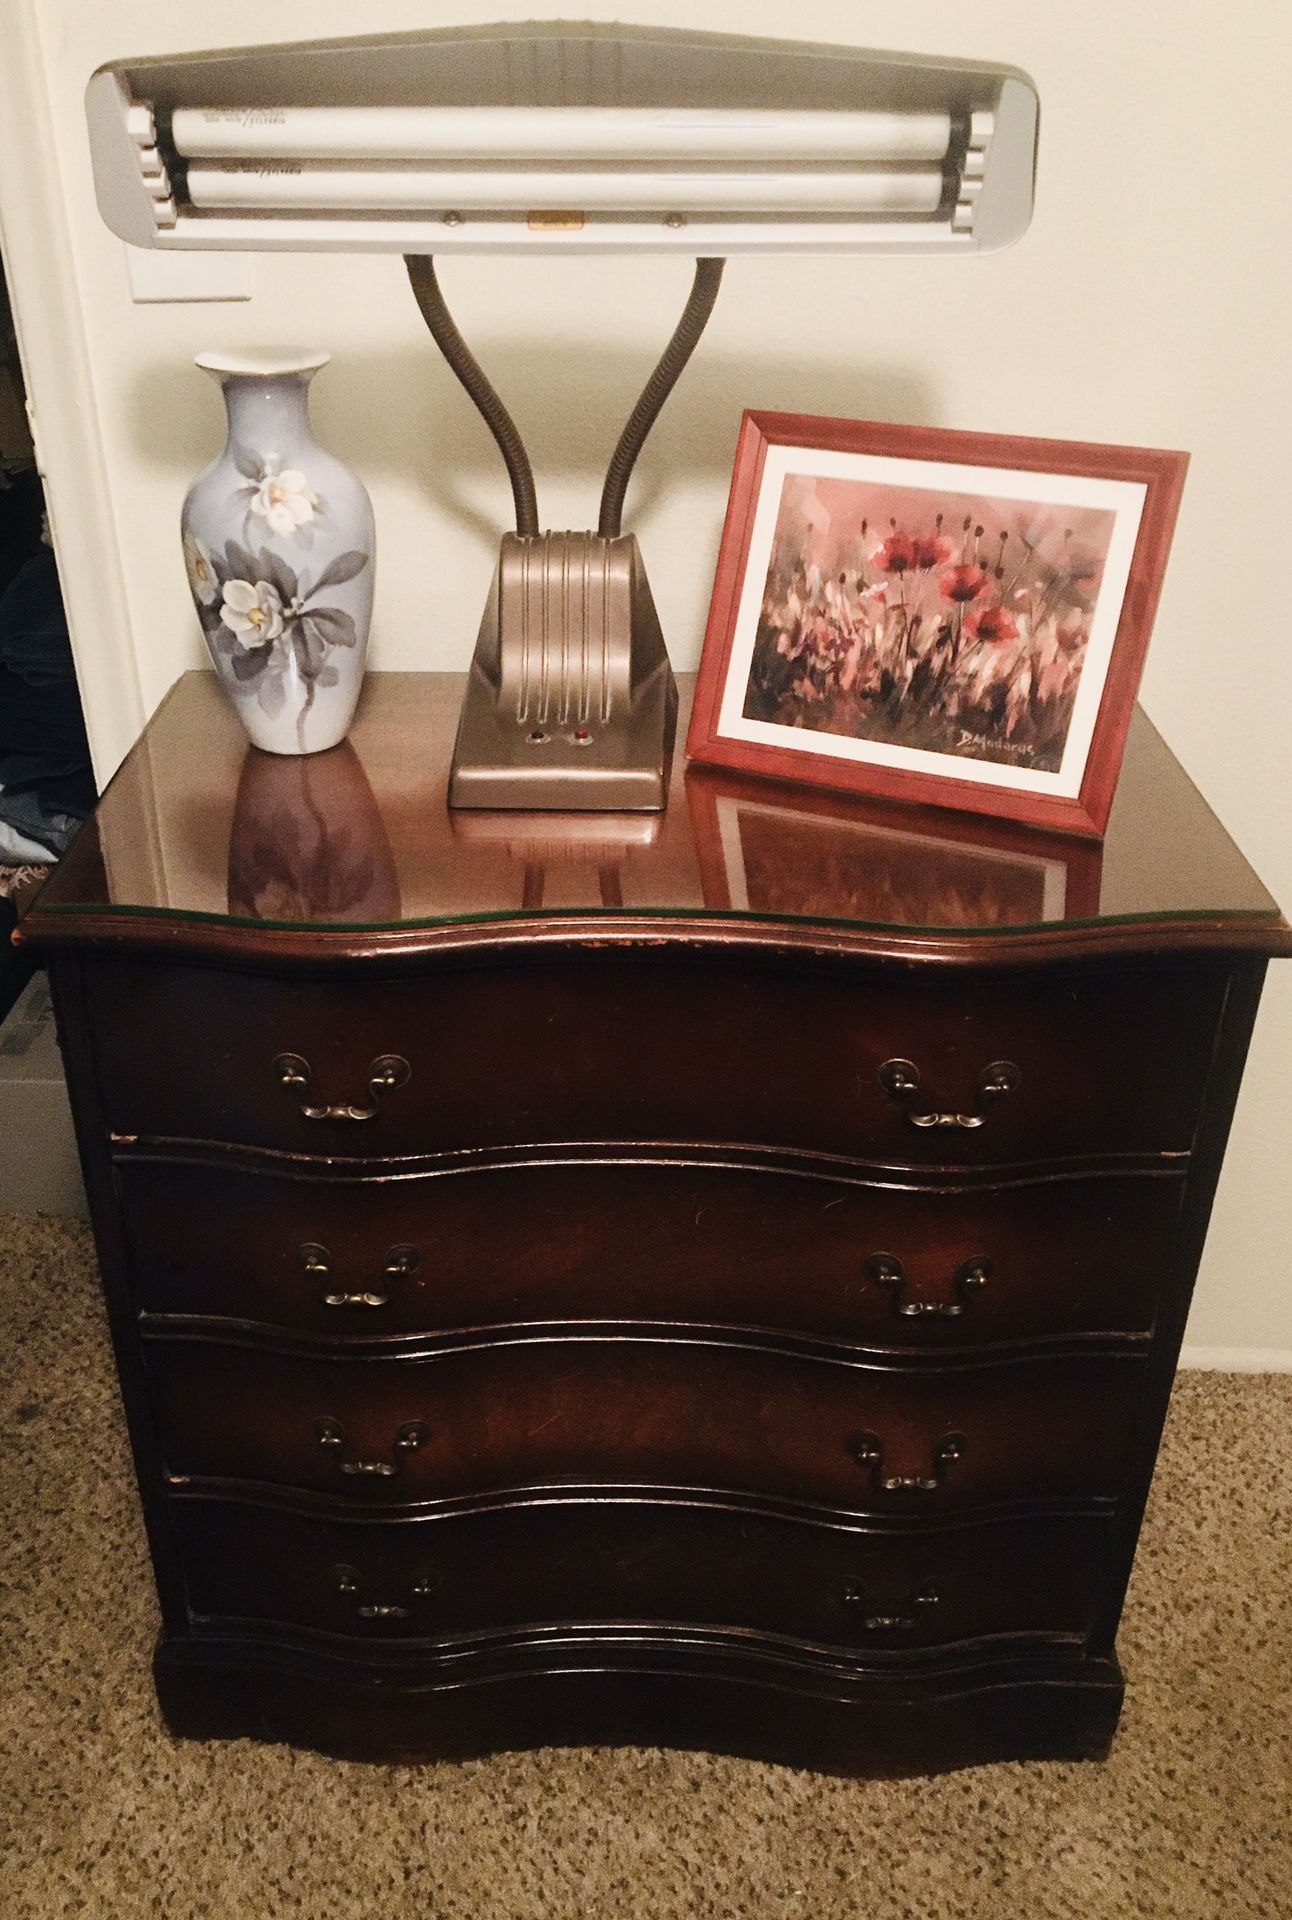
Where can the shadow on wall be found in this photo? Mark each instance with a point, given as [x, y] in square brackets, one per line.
[403, 413]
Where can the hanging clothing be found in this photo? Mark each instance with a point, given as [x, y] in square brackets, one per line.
[46, 785]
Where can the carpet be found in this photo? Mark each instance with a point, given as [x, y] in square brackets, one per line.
[103, 1815]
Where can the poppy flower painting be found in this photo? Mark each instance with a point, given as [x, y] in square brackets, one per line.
[930, 621]
[952, 618]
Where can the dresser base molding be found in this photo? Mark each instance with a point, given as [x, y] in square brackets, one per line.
[230, 1689]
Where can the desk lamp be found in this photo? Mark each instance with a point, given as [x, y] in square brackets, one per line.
[560, 138]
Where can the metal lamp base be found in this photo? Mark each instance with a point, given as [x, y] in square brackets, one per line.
[571, 705]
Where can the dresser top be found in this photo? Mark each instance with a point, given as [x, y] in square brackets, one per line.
[204, 844]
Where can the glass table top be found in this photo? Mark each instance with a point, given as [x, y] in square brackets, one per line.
[198, 823]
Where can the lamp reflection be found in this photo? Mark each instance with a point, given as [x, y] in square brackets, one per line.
[766, 848]
[308, 841]
[563, 860]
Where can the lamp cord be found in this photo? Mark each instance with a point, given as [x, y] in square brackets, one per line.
[686, 335]
[426, 291]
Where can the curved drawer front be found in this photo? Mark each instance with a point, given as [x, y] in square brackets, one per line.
[882, 1266]
[598, 1563]
[810, 1059]
[671, 1413]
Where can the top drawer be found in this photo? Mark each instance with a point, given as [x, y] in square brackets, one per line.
[608, 1048]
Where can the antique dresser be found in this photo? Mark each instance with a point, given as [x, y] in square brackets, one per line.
[712, 1279]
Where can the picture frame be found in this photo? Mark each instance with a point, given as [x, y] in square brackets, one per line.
[947, 618]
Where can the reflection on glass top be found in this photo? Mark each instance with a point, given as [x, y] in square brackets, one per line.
[198, 822]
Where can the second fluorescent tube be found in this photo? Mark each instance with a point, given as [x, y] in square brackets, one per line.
[301, 189]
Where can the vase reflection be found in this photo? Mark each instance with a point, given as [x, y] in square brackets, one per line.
[308, 841]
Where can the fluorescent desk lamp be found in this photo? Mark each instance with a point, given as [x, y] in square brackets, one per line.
[556, 138]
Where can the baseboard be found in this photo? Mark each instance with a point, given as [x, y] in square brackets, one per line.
[1238, 1359]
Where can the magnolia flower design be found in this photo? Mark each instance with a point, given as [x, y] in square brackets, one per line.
[285, 500]
[283, 503]
[202, 582]
[272, 629]
[254, 614]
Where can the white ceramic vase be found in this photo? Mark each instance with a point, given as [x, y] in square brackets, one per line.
[279, 546]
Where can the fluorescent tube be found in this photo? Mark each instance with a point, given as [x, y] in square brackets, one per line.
[499, 134]
[293, 188]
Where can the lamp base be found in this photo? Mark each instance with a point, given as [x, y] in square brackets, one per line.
[571, 705]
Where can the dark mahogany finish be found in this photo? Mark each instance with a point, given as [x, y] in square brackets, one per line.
[807, 1251]
[554, 1051]
[511, 1567]
[656, 1411]
[712, 1279]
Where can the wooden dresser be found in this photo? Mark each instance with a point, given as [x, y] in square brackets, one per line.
[711, 1279]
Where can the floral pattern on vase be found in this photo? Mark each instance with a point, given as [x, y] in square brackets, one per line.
[278, 546]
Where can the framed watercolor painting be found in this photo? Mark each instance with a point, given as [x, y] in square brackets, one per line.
[958, 619]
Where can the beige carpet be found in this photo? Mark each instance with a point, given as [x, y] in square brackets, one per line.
[101, 1814]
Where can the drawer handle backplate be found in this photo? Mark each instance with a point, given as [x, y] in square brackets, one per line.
[886, 1270]
[900, 1079]
[349, 1581]
[867, 1449]
[317, 1260]
[330, 1435]
[388, 1071]
[855, 1595]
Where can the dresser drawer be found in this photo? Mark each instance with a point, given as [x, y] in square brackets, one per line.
[880, 1265]
[671, 1413]
[508, 1568]
[661, 1050]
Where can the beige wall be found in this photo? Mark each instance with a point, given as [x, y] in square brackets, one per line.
[1147, 304]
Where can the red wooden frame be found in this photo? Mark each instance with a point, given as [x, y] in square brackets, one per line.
[1162, 474]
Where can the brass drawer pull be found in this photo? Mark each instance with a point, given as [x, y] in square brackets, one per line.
[388, 1071]
[349, 1581]
[886, 1270]
[413, 1434]
[867, 1449]
[854, 1595]
[900, 1079]
[317, 1261]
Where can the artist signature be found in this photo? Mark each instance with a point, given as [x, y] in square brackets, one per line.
[988, 743]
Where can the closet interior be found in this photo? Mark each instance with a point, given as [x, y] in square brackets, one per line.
[46, 784]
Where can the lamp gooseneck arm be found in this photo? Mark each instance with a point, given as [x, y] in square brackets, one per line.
[686, 335]
[426, 291]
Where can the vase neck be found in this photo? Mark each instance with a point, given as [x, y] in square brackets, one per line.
[269, 414]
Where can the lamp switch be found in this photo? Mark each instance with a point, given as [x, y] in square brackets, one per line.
[159, 276]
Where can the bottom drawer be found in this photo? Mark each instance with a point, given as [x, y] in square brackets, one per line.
[596, 1563]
